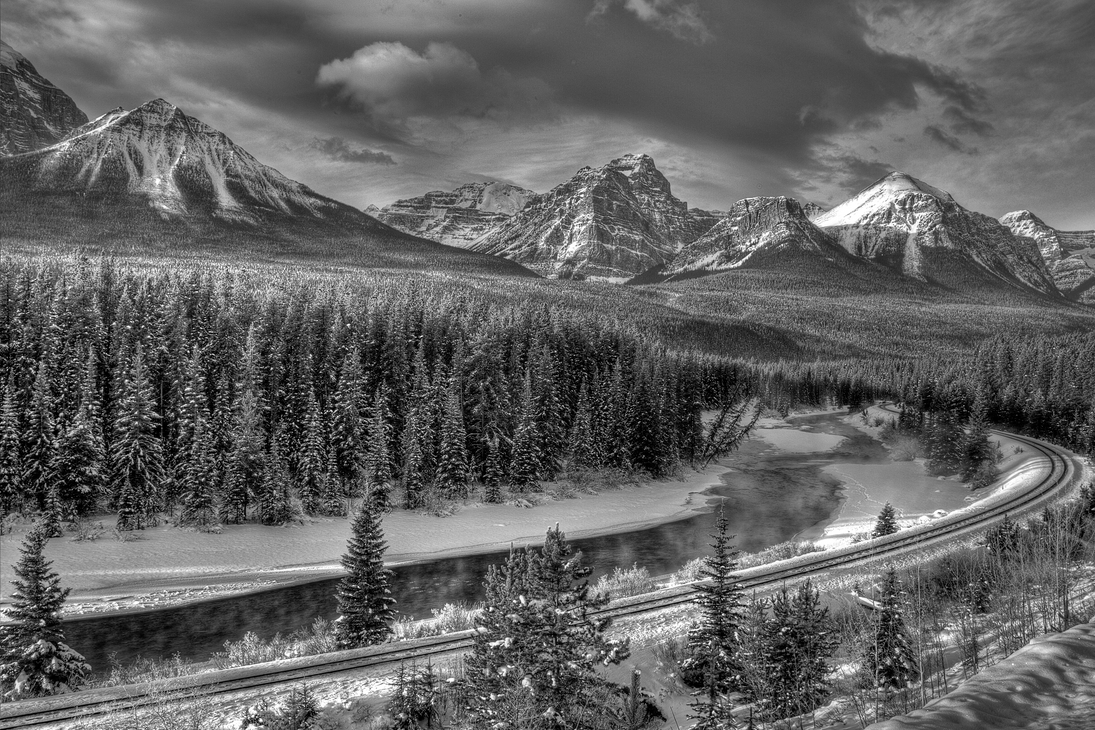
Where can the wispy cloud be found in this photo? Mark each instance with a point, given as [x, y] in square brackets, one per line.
[682, 19]
[949, 141]
[339, 149]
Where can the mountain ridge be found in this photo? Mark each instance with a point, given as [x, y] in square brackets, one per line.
[33, 112]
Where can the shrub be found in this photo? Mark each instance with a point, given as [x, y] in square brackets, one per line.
[625, 582]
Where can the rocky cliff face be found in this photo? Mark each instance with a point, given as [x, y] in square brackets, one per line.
[754, 229]
[458, 218]
[33, 112]
[922, 231]
[1069, 255]
[175, 163]
[611, 222]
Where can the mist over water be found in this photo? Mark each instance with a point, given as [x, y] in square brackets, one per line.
[769, 497]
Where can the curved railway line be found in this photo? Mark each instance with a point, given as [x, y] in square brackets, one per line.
[962, 523]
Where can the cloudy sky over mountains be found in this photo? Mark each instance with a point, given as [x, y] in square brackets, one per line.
[369, 101]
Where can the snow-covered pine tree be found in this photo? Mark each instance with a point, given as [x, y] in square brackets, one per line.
[492, 474]
[275, 505]
[524, 467]
[548, 414]
[347, 437]
[535, 655]
[889, 661]
[797, 641]
[713, 641]
[583, 447]
[34, 659]
[11, 471]
[39, 439]
[137, 456]
[378, 455]
[246, 461]
[452, 462]
[199, 477]
[886, 524]
[312, 460]
[78, 465]
[364, 593]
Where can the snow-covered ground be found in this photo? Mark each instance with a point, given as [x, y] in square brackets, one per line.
[166, 565]
[917, 496]
[1050, 683]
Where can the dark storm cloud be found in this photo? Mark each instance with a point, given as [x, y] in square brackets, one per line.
[339, 149]
[964, 123]
[849, 171]
[936, 134]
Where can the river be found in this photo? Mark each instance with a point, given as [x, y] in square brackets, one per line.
[770, 496]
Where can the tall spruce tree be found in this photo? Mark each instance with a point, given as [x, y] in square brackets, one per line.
[34, 659]
[246, 461]
[713, 643]
[78, 465]
[137, 450]
[312, 460]
[533, 663]
[39, 439]
[492, 474]
[889, 661]
[378, 455]
[11, 470]
[886, 524]
[199, 476]
[797, 640]
[525, 457]
[347, 436]
[452, 463]
[364, 593]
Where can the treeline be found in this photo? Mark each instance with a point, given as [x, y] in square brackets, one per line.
[1041, 385]
[229, 399]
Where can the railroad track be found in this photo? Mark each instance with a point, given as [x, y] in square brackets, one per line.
[93, 703]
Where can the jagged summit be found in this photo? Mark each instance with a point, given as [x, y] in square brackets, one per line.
[457, 218]
[755, 228]
[33, 112]
[1070, 256]
[177, 163]
[922, 231]
[611, 222]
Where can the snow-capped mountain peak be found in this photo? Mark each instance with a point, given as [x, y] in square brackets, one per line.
[880, 195]
[177, 163]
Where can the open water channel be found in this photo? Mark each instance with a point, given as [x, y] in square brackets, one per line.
[770, 496]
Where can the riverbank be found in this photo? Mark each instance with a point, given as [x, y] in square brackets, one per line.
[916, 496]
[167, 566]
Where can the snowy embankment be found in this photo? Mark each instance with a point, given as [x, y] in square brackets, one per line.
[167, 566]
[1050, 683]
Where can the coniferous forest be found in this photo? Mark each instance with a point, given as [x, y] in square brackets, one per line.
[220, 401]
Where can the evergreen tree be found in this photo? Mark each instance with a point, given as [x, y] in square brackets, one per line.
[525, 459]
[39, 440]
[886, 523]
[34, 659]
[583, 446]
[246, 461]
[797, 641]
[332, 503]
[452, 464]
[312, 461]
[364, 594]
[378, 457]
[889, 661]
[78, 465]
[275, 505]
[347, 438]
[199, 476]
[533, 663]
[492, 475]
[11, 471]
[137, 450]
[713, 641]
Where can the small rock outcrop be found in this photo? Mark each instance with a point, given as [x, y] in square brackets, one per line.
[458, 218]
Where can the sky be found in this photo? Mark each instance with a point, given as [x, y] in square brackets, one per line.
[368, 101]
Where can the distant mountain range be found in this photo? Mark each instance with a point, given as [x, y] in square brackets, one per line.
[157, 179]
